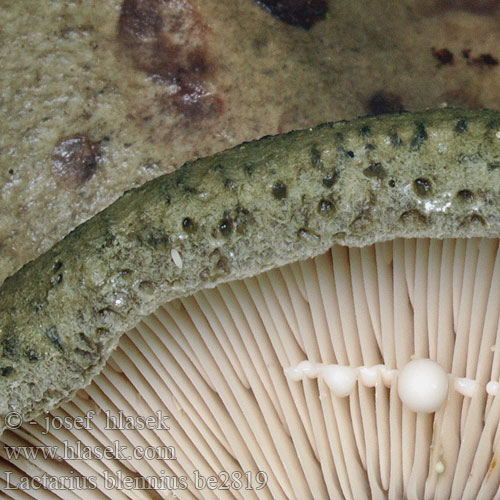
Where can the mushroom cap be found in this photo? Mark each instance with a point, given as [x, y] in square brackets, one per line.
[252, 208]
[243, 268]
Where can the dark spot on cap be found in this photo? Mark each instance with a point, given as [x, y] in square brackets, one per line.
[485, 60]
[32, 355]
[472, 220]
[108, 314]
[218, 167]
[11, 171]
[167, 41]
[325, 206]
[330, 179]
[223, 264]
[230, 184]
[144, 29]
[465, 195]
[444, 56]
[375, 170]
[302, 13]
[53, 335]
[279, 190]
[413, 217]
[226, 226]
[350, 154]
[196, 103]
[156, 237]
[248, 168]
[308, 235]
[10, 346]
[392, 183]
[6, 371]
[57, 266]
[74, 161]
[87, 341]
[139, 20]
[419, 138]
[242, 210]
[466, 53]
[494, 124]
[422, 186]
[384, 102]
[362, 221]
[461, 126]
[365, 131]
[188, 225]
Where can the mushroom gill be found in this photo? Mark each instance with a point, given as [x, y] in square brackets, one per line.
[286, 386]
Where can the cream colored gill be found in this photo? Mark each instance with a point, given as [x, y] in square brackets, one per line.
[221, 365]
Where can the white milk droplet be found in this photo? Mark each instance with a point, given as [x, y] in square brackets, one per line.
[465, 386]
[340, 379]
[423, 385]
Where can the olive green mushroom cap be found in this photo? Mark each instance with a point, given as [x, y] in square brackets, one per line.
[233, 215]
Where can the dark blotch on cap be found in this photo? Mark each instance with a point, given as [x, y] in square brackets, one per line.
[461, 126]
[279, 190]
[188, 225]
[325, 206]
[365, 131]
[472, 220]
[230, 184]
[413, 216]
[223, 264]
[32, 355]
[195, 103]
[226, 226]
[156, 237]
[444, 56]
[10, 346]
[384, 102]
[166, 40]
[330, 179]
[485, 60]
[74, 161]
[375, 170]
[6, 371]
[420, 137]
[302, 13]
[53, 335]
[308, 235]
[422, 186]
[465, 195]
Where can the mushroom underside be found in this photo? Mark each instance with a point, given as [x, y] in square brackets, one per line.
[286, 386]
